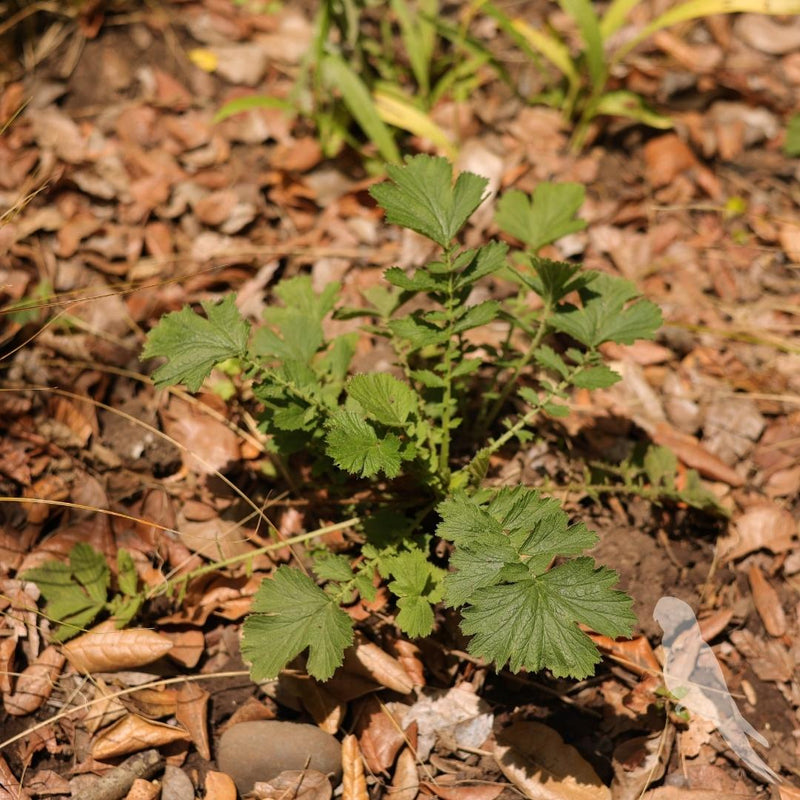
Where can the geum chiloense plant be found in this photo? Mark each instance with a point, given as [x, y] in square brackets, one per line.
[516, 569]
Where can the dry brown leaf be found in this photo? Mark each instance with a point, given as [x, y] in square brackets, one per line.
[764, 526]
[380, 734]
[35, 683]
[635, 655]
[767, 602]
[47, 782]
[154, 703]
[106, 708]
[482, 791]
[405, 781]
[192, 713]
[409, 655]
[689, 450]
[639, 761]
[10, 788]
[187, 646]
[8, 649]
[134, 733]
[295, 784]
[327, 711]
[105, 649]
[143, 790]
[770, 659]
[787, 792]
[369, 660]
[543, 767]
[354, 782]
[219, 786]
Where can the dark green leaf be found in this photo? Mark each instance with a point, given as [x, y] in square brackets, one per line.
[194, 345]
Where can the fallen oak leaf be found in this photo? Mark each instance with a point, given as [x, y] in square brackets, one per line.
[105, 649]
[134, 733]
[354, 782]
[35, 683]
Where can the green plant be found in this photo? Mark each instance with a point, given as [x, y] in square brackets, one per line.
[76, 592]
[585, 94]
[353, 74]
[423, 434]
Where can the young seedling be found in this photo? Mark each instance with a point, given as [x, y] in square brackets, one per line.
[423, 434]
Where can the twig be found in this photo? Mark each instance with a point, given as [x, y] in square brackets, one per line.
[117, 783]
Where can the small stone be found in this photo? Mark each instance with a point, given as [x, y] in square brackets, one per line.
[261, 750]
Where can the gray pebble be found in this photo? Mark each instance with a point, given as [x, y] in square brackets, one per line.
[260, 750]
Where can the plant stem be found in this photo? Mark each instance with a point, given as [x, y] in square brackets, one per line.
[511, 383]
[444, 452]
[164, 588]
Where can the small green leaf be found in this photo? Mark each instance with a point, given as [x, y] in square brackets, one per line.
[661, 465]
[548, 358]
[91, 571]
[543, 218]
[354, 446]
[476, 316]
[791, 144]
[250, 103]
[384, 397]
[418, 584]
[598, 377]
[291, 613]
[627, 104]
[554, 280]
[193, 345]
[606, 315]
[332, 567]
[421, 196]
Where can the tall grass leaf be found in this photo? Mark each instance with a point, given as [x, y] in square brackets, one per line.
[418, 33]
[615, 16]
[584, 14]
[693, 9]
[337, 73]
[552, 49]
[250, 103]
[630, 105]
[403, 114]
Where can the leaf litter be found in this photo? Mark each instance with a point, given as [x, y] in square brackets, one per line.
[122, 200]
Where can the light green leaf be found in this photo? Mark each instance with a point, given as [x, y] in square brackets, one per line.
[606, 317]
[418, 584]
[791, 144]
[661, 465]
[332, 567]
[583, 12]
[394, 109]
[384, 397]
[91, 571]
[484, 261]
[598, 377]
[476, 316]
[354, 446]
[421, 196]
[544, 217]
[250, 103]
[291, 613]
[194, 345]
[340, 76]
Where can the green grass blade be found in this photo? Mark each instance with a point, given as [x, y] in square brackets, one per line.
[249, 103]
[584, 14]
[337, 73]
[693, 9]
[615, 16]
[419, 38]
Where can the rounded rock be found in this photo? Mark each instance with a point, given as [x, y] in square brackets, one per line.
[260, 750]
